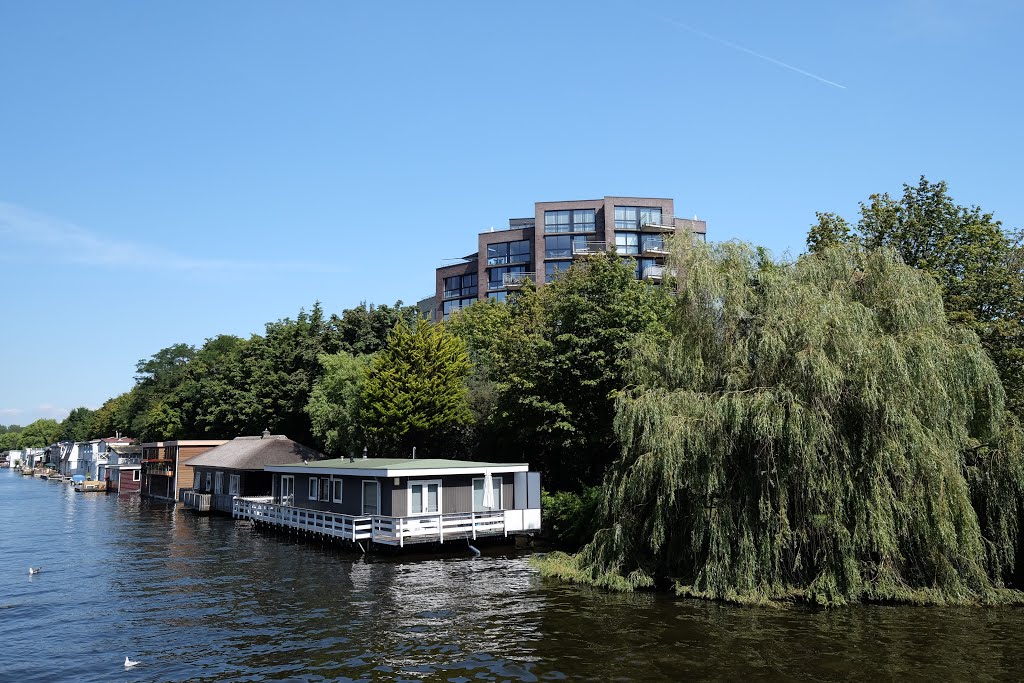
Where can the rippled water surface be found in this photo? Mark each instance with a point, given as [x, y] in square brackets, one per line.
[208, 599]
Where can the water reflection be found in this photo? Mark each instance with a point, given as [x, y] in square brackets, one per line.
[208, 599]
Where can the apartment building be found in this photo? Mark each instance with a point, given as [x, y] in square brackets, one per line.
[539, 247]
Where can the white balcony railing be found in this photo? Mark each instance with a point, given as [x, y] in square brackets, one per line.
[516, 280]
[587, 248]
[385, 529]
[195, 500]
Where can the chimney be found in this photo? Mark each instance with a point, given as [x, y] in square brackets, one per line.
[266, 433]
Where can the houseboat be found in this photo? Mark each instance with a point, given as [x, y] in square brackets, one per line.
[167, 466]
[236, 469]
[399, 501]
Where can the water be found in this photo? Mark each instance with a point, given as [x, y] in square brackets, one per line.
[208, 599]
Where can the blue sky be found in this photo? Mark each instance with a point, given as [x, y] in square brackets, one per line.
[170, 171]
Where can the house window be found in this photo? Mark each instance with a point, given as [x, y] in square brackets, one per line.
[287, 490]
[635, 217]
[371, 497]
[627, 242]
[424, 497]
[209, 481]
[313, 487]
[218, 486]
[553, 268]
[197, 483]
[496, 276]
[577, 220]
[325, 489]
[136, 475]
[234, 484]
[478, 494]
[561, 246]
[338, 485]
[460, 286]
[449, 307]
[501, 253]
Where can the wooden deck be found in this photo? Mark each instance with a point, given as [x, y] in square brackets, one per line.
[394, 531]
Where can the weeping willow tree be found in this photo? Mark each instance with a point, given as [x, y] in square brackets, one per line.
[814, 430]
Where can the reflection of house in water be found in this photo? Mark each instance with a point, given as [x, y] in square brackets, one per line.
[165, 465]
[399, 501]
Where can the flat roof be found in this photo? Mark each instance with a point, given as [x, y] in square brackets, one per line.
[397, 467]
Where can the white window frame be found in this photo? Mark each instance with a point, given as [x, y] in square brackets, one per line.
[218, 483]
[362, 489]
[337, 490]
[325, 490]
[314, 488]
[234, 485]
[423, 497]
[290, 498]
[498, 504]
[136, 475]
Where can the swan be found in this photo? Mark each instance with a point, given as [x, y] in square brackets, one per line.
[128, 663]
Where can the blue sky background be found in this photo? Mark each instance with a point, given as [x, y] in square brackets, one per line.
[170, 171]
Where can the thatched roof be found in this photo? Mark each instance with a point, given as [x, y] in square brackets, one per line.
[255, 453]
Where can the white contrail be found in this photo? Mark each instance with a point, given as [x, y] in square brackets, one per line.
[755, 54]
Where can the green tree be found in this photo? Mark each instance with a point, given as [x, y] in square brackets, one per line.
[976, 262]
[10, 441]
[554, 359]
[364, 329]
[113, 417]
[415, 391]
[333, 406]
[816, 429]
[77, 426]
[40, 434]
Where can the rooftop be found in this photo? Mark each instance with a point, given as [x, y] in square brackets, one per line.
[405, 464]
[255, 452]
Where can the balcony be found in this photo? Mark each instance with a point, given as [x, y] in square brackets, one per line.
[589, 248]
[657, 273]
[386, 530]
[653, 248]
[517, 280]
[200, 502]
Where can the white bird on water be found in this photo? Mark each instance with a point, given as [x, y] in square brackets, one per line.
[128, 663]
[34, 570]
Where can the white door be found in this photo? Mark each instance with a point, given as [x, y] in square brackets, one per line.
[287, 490]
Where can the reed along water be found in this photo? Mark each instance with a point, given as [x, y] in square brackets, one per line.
[199, 598]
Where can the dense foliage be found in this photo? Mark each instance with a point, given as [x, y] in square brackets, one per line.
[414, 394]
[978, 265]
[549, 364]
[334, 403]
[815, 429]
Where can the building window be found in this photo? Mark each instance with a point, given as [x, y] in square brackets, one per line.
[553, 268]
[501, 253]
[313, 487]
[338, 486]
[136, 475]
[561, 246]
[325, 489]
[197, 482]
[500, 297]
[424, 497]
[371, 497]
[234, 484]
[209, 482]
[496, 276]
[460, 286]
[627, 242]
[218, 483]
[287, 489]
[575, 220]
[634, 217]
[478, 494]
[449, 307]
[656, 242]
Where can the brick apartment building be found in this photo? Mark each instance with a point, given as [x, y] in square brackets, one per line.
[538, 247]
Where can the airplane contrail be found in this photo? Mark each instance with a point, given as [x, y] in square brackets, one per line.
[755, 54]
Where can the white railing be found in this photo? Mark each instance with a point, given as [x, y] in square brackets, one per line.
[195, 500]
[517, 279]
[377, 528]
[584, 248]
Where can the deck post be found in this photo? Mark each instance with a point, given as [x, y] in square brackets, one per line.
[472, 519]
[401, 536]
[440, 527]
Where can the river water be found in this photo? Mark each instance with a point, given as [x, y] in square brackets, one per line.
[196, 598]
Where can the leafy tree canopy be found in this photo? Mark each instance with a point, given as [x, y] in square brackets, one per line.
[415, 391]
[77, 426]
[978, 265]
[333, 406]
[40, 434]
[816, 429]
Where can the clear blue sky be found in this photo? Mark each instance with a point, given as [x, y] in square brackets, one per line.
[170, 171]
